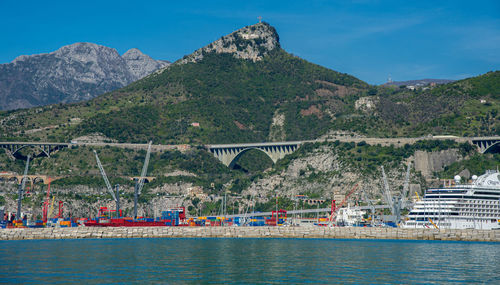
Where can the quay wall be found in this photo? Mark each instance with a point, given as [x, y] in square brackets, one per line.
[250, 232]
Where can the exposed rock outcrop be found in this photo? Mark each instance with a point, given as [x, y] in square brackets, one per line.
[429, 162]
[251, 42]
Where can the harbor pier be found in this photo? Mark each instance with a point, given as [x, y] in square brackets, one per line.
[251, 232]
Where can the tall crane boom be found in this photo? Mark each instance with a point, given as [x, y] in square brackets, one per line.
[144, 168]
[343, 201]
[140, 183]
[387, 192]
[21, 188]
[404, 196]
[104, 176]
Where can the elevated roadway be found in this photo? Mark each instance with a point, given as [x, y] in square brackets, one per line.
[229, 153]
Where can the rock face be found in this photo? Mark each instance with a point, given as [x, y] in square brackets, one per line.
[429, 162]
[141, 65]
[251, 42]
[73, 73]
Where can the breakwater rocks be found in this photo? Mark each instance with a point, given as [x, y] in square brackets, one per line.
[250, 232]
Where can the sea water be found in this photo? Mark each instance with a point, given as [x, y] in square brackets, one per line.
[248, 261]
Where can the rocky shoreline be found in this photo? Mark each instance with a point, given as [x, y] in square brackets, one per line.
[250, 232]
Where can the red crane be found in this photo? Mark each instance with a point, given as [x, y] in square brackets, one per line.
[60, 214]
[45, 207]
[335, 208]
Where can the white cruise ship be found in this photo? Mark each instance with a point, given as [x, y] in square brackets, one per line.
[461, 206]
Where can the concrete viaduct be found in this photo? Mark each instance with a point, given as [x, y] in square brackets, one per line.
[45, 148]
[228, 154]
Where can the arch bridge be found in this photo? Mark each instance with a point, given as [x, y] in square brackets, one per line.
[147, 179]
[228, 154]
[487, 144]
[46, 148]
[32, 179]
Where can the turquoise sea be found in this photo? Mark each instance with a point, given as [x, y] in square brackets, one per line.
[248, 261]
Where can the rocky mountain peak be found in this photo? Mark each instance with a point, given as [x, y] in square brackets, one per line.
[134, 53]
[141, 64]
[251, 43]
[86, 52]
[72, 73]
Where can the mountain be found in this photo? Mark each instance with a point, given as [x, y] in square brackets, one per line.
[73, 73]
[419, 82]
[245, 88]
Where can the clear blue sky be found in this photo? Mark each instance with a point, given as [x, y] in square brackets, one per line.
[368, 39]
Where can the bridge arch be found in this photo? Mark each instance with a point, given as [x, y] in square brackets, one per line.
[38, 179]
[243, 151]
[46, 148]
[493, 148]
[487, 145]
[36, 146]
[229, 154]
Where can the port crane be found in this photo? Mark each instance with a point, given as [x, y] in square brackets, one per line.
[108, 185]
[370, 204]
[21, 189]
[399, 202]
[139, 183]
[335, 208]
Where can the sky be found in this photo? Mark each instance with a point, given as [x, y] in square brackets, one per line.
[371, 40]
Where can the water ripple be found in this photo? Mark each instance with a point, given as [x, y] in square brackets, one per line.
[248, 261]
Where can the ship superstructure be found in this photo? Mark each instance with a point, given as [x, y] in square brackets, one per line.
[460, 206]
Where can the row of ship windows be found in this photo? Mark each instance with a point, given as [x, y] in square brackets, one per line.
[492, 199]
[433, 214]
[440, 224]
[443, 224]
[479, 220]
[441, 209]
[436, 220]
[481, 209]
[430, 214]
[484, 202]
[477, 215]
[463, 205]
[481, 206]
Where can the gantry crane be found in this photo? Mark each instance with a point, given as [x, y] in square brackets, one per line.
[370, 203]
[399, 202]
[21, 189]
[139, 183]
[108, 185]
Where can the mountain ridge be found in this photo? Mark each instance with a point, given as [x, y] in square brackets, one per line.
[419, 82]
[72, 73]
